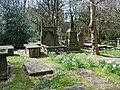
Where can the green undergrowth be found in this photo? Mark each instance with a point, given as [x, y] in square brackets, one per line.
[74, 61]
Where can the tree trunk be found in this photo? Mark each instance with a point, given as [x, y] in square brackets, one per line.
[92, 26]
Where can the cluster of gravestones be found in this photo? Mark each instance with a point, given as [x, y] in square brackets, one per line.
[50, 38]
[33, 67]
[50, 43]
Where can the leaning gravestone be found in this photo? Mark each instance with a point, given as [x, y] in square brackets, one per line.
[4, 70]
[35, 67]
[49, 36]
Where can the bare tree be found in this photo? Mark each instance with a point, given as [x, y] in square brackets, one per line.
[92, 26]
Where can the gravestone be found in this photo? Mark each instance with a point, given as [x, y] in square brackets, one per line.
[118, 43]
[71, 41]
[49, 40]
[4, 71]
[35, 67]
[80, 38]
[49, 36]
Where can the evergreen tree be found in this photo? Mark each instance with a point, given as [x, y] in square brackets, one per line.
[16, 27]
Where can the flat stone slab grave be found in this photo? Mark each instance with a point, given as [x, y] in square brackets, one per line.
[77, 88]
[35, 67]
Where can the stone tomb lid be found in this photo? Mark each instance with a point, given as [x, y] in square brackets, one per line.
[36, 67]
[46, 46]
[31, 46]
[99, 45]
[7, 46]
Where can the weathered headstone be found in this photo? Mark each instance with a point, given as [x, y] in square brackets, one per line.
[35, 67]
[3, 64]
[118, 43]
[49, 40]
[80, 38]
[71, 41]
[49, 36]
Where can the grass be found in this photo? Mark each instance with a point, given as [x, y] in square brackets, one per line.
[111, 52]
[60, 80]
[20, 81]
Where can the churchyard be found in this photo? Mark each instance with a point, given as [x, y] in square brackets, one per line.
[59, 45]
[69, 72]
[48, 65]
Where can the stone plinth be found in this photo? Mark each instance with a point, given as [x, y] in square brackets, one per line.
[56, 49]
[35, 67]
[71, 41]
[4, 71]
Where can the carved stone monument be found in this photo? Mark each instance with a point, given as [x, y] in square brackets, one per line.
[71, 37]
[4, 70]
[49, 40]
[71, 41]
[49, 36]
[80, 38]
